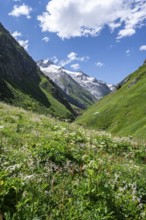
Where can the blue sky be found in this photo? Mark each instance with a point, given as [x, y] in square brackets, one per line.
[106, 39]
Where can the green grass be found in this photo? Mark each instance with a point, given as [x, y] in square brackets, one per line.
[123, 112]
[59, 107]
[54, 170]
[39, 99]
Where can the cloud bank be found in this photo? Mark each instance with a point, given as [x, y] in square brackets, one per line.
[76, 18]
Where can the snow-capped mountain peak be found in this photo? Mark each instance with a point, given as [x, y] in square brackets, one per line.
[96, 88]
[44, 63]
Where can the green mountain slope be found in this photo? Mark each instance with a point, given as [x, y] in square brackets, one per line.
[53, 170]
[123, 112]
[23, 84]
[75, 94]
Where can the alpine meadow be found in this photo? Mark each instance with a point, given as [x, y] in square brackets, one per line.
[73, 110]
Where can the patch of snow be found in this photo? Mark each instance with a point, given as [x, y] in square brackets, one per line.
[45, 61]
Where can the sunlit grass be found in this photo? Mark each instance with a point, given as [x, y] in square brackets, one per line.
[55, 170]
[123, 112]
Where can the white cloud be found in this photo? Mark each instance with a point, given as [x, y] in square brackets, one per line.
[142, 48]
[24, 43]
[71, 57]
[54, 59]
[46, 39]
[75, 66]
[72, 18]
[125, 33]
[64, 62]
[16, 0]
[19, 10]
[127, 52]
[99, 64]
[113, 25]
[74, 56]
[16, 34]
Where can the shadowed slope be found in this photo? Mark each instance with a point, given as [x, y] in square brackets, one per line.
[22, 82]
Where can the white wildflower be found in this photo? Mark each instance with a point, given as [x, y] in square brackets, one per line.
[13, 167]
[28, 177]
[96, 113]
[116, 176]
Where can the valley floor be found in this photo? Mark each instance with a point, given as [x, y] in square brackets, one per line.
[55, 170]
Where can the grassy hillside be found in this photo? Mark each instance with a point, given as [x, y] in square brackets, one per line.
[123, 112]
[54, 170]
[24, 85]
[53, 106]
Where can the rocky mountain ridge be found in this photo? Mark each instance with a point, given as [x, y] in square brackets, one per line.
[69, 81]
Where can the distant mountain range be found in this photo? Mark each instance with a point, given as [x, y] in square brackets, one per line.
[79, 89]
[23, 84]
[124, 111]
